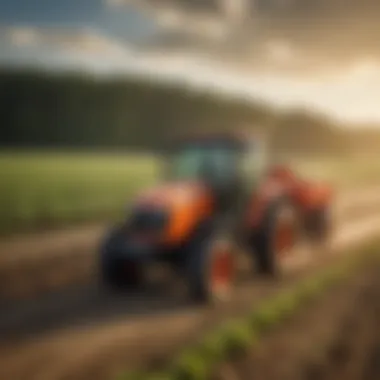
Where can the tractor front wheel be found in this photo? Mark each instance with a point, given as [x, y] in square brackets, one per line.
[210, 270]
[117, 273]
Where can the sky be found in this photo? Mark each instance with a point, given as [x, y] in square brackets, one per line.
[350, 96]
[104, 38]
[119, 22]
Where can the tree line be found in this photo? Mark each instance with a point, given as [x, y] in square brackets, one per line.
[71, 110]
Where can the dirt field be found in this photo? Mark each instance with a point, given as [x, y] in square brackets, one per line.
[82, 333]
[338, 337]
[110, 334]
[36, 264]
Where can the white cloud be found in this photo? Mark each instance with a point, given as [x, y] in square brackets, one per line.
[234, 10]
[22, 36]
[281, 51]
[351, 94]
[205, 26]
[82, 40]
[115, 3]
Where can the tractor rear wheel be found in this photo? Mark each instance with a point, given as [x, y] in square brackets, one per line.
[318, 226]
[277, 236]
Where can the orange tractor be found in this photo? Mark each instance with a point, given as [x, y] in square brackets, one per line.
[218, 193]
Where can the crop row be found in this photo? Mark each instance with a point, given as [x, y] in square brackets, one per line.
[52, 189]
[236, 337]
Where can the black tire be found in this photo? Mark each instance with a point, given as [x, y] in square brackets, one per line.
[202, 257]
[264, 240]
[113, 270]
[319, 226]
[114, 278]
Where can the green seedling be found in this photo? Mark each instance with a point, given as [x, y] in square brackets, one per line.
[330, 278]
[265, 317]
[131, 376]
[160, 376]
[191, 365]
[312, 288]
[287, 303]
[213, 348]
[237, 338]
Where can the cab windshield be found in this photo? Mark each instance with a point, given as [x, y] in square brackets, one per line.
[193, 162]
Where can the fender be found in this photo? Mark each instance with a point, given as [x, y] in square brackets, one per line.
[313, 196]
[186, 203]
[306, 195]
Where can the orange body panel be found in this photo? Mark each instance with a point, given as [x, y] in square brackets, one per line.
[305, 194]
[187, 203]
[313, 196]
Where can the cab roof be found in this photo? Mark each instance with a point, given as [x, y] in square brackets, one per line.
[236, 138]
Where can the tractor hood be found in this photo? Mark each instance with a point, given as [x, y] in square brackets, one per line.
[172, 195]
[183, 205]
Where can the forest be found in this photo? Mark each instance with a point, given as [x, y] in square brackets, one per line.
[73, 110]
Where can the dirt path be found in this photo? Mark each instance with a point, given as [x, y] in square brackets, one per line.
[133, 332]
[76, 304]
[336, 338]
[32, 265]
[82, 333]
[36, 264]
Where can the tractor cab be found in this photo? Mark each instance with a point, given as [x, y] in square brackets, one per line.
[229, 164]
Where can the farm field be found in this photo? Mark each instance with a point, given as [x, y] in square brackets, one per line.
[44, 190]
[336, 337]
[77, 331]
[87, 335]
[73, 199]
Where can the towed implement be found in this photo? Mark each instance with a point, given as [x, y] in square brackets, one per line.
[219, 196]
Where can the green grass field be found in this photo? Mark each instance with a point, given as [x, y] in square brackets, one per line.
[39, 190]
[49, 189]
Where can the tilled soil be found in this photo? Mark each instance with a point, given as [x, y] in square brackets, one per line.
[37, 264]
[100, 349]
[130, 332]
[335, 338]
